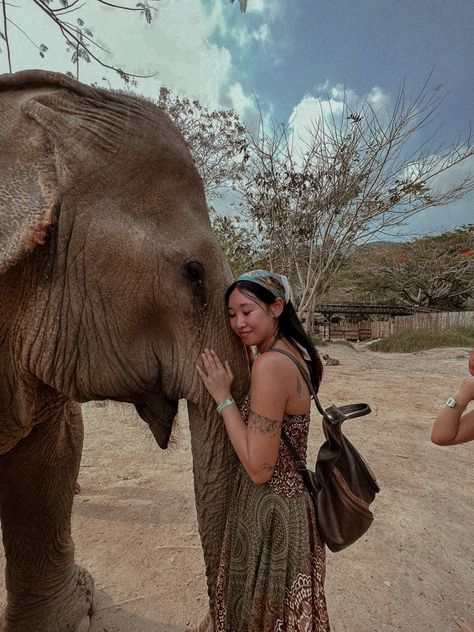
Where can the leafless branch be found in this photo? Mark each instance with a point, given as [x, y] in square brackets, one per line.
[5, 34]
[117, 6]
[71, 36]
[66, 9]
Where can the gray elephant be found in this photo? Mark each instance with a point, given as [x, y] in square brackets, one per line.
[111, 284]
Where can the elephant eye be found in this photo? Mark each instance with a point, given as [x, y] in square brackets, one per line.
[194, 272]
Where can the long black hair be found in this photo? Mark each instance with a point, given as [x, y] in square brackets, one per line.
[289, 325]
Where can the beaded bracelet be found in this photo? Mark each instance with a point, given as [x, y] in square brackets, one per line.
[225, 404]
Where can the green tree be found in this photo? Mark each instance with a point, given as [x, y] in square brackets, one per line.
[432, 271]
[359, 173]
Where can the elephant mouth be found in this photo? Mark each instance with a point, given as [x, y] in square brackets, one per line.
[159, 412]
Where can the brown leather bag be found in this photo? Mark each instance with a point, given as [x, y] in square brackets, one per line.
[343, 485]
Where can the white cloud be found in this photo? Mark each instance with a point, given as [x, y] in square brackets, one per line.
[255, 6]
[245, 37]
[340, 93]
[176, 49]
[242, 37]
[309, 113]
[378, 99]
[239, 100]
[270, 9]
[262, 34]
[326, 108]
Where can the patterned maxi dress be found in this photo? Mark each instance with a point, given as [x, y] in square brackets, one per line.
[271, 573]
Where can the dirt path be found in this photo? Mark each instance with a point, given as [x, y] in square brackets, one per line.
[135, 526]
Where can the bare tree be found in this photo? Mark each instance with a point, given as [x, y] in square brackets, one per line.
[238, 243]
[217, 140]
[358, 172]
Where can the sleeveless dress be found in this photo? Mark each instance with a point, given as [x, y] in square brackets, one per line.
[272, 567]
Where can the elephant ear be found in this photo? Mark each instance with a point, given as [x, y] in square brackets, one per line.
[45, 139]
[28, 189]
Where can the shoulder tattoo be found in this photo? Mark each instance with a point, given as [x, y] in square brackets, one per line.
[262, 424]
[298, 387]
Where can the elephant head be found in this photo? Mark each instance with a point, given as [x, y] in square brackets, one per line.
[112, 283]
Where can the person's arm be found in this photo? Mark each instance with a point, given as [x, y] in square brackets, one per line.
[257, 442]
[451, 426]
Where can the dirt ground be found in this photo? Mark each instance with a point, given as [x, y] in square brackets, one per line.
[135, 526]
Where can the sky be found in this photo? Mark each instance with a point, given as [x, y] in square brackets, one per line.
[281, 56]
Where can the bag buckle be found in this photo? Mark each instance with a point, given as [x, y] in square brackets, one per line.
[334, 415]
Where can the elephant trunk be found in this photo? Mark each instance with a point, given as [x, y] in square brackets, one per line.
[214, 467]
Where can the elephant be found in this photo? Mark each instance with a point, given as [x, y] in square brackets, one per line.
[111, 284]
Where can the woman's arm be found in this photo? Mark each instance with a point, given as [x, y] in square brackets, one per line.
[451, 426]
[257, 442]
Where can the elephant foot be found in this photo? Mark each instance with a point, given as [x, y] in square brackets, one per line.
[69, 613]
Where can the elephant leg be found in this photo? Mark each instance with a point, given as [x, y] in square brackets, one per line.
[46, 591]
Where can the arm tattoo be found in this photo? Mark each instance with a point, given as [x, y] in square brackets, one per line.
[268, 467]
[263, 424]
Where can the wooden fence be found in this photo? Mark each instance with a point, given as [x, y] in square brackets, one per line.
[435, 320]
[369, 330]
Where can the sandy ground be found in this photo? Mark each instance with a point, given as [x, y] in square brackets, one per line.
[135, 526]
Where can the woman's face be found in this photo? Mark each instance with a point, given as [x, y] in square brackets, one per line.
[251, 319]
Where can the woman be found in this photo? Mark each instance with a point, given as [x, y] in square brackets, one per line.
[452, 425]
[271, 574]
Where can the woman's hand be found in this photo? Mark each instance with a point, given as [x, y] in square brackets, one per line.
[452, 425]
[217, 377]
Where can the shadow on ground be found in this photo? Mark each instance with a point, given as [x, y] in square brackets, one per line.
[116, 617]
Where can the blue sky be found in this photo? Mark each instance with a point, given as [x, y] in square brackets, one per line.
[284, 52]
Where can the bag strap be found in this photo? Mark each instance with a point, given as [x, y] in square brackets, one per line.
[333, 414]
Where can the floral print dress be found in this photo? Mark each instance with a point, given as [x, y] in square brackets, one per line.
[272, 567]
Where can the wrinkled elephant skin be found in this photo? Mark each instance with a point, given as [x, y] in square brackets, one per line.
[111, 284]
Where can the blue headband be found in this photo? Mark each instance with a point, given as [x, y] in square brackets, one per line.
[277, 284]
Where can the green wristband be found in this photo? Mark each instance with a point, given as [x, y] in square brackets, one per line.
[225, 404]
